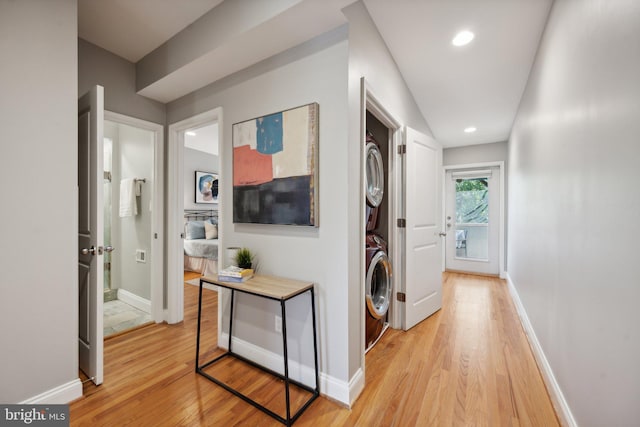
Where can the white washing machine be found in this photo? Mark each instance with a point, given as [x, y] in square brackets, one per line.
[378, 288]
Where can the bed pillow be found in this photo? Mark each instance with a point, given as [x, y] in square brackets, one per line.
[195, 230]
[210, 231]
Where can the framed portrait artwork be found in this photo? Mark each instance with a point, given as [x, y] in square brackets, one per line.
[275, 171]
[206, 185]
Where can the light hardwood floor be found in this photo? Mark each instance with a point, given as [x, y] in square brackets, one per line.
[469, 364]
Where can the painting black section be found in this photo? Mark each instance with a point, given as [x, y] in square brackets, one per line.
[281, 201]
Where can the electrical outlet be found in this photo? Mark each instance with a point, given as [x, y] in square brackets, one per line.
[278, 324]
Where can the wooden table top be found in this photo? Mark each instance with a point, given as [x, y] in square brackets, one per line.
[267, 286]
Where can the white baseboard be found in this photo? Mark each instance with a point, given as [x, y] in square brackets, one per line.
[329, 386]
[134, 300]
[557, 397]
[356, 385]
[62, 394]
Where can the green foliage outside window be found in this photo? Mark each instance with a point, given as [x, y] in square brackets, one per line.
[472, 201]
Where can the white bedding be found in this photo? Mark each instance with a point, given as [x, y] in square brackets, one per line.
[201, 248]
[200, 254]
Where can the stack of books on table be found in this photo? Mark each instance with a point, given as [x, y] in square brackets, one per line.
[235, 274]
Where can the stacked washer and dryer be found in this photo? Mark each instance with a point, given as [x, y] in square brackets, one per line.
[378, 284]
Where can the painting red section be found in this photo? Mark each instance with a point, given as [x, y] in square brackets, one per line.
[251, 167]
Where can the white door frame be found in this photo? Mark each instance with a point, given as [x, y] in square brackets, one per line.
[369, 102]
[501, 227]
[175, 208]
[157, 214]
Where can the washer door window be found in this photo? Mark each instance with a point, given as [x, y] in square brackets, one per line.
[378, 286]
[374, 175]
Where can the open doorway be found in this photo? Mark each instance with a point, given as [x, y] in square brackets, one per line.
[133, 253]
[193, 190]
[474, 218]
[201, 167]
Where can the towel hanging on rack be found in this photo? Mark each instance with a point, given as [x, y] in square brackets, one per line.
[138, 187]
[128, 193]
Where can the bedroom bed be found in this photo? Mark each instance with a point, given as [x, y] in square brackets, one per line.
[201, 241]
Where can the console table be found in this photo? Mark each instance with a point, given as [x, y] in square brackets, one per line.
[273, 288]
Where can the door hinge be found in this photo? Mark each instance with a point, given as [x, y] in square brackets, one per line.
[155, 235]
[401, 296]
[402, 149]
[402, 223]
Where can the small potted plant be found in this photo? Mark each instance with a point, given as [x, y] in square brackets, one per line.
[244, 258]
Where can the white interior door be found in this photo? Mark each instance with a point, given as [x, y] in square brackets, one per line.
[473, 220]
[423, 202]
[90, 232]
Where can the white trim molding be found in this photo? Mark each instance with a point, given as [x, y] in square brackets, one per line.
[175, 208]
[557, 397]
[369, 102]
[61, 394]
[134, 300]
[356, 386]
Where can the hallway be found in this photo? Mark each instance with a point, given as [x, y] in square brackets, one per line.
[469, 364]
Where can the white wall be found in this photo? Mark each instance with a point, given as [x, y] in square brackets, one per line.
[480, 153]
[368, 57]
[573, 205]
[38, 182]
[196, 160]
[313, 72]
[97, 66]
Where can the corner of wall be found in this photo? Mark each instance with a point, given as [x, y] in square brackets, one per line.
[553, 388]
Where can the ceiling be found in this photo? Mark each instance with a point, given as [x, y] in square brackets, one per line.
[131, 29]
[203, 139]
[478, 85]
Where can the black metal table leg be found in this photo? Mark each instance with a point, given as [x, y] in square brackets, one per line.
[199, 317]
[315, 339]
[286, 361]
[231, 320]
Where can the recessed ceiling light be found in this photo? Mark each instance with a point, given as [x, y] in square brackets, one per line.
[470, 129]
[463, 38]
[191, 133]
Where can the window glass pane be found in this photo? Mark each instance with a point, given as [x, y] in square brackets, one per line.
[472, 218]
[472, 201]
[472, 242]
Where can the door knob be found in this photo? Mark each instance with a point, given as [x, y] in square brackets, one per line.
[109, 248]
[442, 234]
[86, 251]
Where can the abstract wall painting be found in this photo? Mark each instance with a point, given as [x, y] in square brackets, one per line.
[275, 172]
[206, 185]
